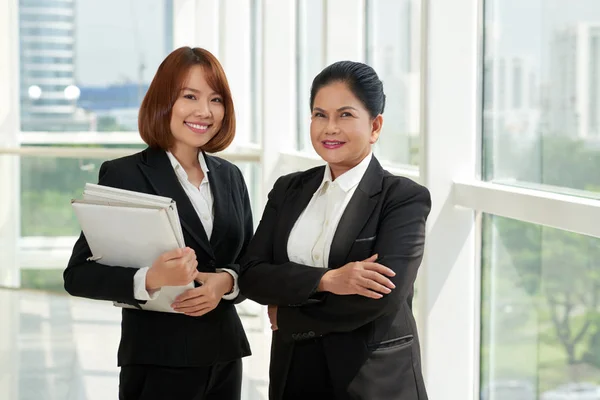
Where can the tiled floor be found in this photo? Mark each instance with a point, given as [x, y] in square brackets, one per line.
[63, 348]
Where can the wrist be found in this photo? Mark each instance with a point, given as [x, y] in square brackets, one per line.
[227, 282]
[152, 281]
[324, 282]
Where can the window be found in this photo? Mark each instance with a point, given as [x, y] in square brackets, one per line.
[393, 49]
[540, 312]
[310, 49]
[541, 94]
[104, 65]
[255, 39]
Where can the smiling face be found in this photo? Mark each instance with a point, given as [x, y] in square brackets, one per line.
[197, 115]
[341, 129]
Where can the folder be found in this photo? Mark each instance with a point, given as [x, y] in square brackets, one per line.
[130, 229]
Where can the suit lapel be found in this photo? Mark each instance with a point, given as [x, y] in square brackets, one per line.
[294, 203]
[357, 213]
[219, 181]
[159, 172]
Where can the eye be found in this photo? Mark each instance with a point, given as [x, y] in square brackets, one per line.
[217, 100]
[318, 115]
[346, 114]
[189, 96]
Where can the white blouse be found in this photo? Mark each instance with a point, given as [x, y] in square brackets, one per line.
[310, 239]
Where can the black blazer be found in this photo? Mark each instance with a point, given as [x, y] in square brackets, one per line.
[371, 345]
[173, 340]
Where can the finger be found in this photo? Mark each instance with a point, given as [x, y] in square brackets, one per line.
[173, 254]
[372, 258]
[193, 307]
[189, 257]
[194, 294]
[191, 304]
[188, 294]
[377, 277]
[191, 267]
[368, 293]
[201, 312]
[382, 269]
[176, 262]
[374, 286]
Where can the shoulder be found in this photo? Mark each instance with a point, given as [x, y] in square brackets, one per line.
[122, 172]
[224, 165]
[125, 162]
[296, 179]
[400, 190]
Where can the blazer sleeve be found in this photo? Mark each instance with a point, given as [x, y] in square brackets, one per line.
[90, 279]
[400, 244]
[247, 232]
[287, 284]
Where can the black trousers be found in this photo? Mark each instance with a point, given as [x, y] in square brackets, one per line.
[308, 377]
[148, 382]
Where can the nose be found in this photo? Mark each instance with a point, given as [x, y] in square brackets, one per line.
[202, 109]
[332, 127]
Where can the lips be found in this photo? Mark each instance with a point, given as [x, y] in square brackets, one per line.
[332, 144]
[197, 128]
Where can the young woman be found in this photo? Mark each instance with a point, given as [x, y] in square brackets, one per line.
[196, 354]
[336, 256]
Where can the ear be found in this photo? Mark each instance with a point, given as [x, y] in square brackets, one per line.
[376, 126]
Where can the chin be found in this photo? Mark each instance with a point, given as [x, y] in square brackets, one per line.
[332, 158]
[198, 141]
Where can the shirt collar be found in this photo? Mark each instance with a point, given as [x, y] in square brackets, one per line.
[348, 179]
[181, 171]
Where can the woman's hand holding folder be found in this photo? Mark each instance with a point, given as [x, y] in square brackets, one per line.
[202, 300]
[173, 268]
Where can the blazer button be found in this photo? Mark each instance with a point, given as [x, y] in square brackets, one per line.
[211, 263]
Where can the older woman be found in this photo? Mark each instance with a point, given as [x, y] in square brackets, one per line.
[336, 256]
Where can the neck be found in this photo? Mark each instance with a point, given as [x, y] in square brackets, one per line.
[186, 155]
[339, 169]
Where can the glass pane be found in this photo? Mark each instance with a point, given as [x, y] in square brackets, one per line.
[48, 184]
[50, 280]
[47, 222]
[540, 313]
[85, 67]
[255, 43]
[541, 89]
[310, 51]
[393, 49]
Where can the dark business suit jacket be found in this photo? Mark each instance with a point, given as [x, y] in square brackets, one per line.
[173, 340]
[371, 346]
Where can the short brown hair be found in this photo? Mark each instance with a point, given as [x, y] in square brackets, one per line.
[154, 120]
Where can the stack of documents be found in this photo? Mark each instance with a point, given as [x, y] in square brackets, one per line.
[130, 229]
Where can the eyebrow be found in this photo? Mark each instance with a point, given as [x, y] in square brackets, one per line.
[197, 91]
[339, 109]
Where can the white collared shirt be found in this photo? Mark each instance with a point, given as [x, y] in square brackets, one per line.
[202, 200]
[311, 237]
